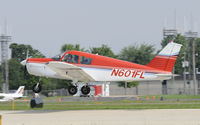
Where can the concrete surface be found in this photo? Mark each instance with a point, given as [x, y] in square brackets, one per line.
[103, 117]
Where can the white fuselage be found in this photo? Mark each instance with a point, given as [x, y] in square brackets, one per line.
[98, 74]
[7, 97]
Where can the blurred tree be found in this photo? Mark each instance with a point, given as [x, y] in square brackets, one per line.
[166, 40]
[15, 74]
[67, 47]
[129, 84]
[19, 51]
[197, 51]
[104, 50]
[139, 55]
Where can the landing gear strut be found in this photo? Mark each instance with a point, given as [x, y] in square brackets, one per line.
[37, 87]
[85, 90]
[72, 89]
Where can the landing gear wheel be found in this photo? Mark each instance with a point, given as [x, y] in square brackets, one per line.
[72, 90]
[37, 88]
[85, 90]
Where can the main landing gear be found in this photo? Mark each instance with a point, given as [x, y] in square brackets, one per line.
[74, 89]
[85, 90]
[37, 88]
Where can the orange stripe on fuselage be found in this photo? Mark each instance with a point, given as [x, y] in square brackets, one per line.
[39, 60]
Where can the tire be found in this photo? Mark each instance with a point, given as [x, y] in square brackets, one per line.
[85, 90]
[37, 89]
[32, 103]
[72, 90]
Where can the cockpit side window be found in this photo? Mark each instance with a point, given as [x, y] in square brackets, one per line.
[71, 58]
[56, 58]
[85, 60]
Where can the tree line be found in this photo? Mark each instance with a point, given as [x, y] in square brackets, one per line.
[141, 54]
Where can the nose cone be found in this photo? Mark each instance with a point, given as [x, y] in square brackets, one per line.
[23, 62]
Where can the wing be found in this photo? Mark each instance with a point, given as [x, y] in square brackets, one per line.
[4, 99]
[69, 71]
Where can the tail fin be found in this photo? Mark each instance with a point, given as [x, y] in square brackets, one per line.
[20, 90]
[166, 59]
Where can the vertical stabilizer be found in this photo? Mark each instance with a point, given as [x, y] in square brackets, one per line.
[20, 90]
[166, 59]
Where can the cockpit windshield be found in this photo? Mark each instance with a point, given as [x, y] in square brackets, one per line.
[70, 58]
[57, 57]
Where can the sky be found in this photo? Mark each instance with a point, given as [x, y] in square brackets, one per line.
[48, 24]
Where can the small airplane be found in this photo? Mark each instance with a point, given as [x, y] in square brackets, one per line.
[87, 67]
[12, 96]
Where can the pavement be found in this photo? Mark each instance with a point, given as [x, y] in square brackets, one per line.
[103, 117]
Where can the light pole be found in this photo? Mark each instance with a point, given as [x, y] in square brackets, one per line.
[184, 65]
[191, 36]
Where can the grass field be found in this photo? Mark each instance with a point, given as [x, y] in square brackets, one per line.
[52, 103]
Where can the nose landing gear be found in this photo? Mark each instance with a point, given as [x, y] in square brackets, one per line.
[36, 101]
[37, 88]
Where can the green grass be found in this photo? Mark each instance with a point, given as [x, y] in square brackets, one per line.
[52, 103]
[173, 96]
[93, 106]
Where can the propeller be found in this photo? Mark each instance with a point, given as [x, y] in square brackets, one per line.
[24, 62]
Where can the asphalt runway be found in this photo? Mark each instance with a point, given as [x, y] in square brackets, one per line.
[103, 117]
